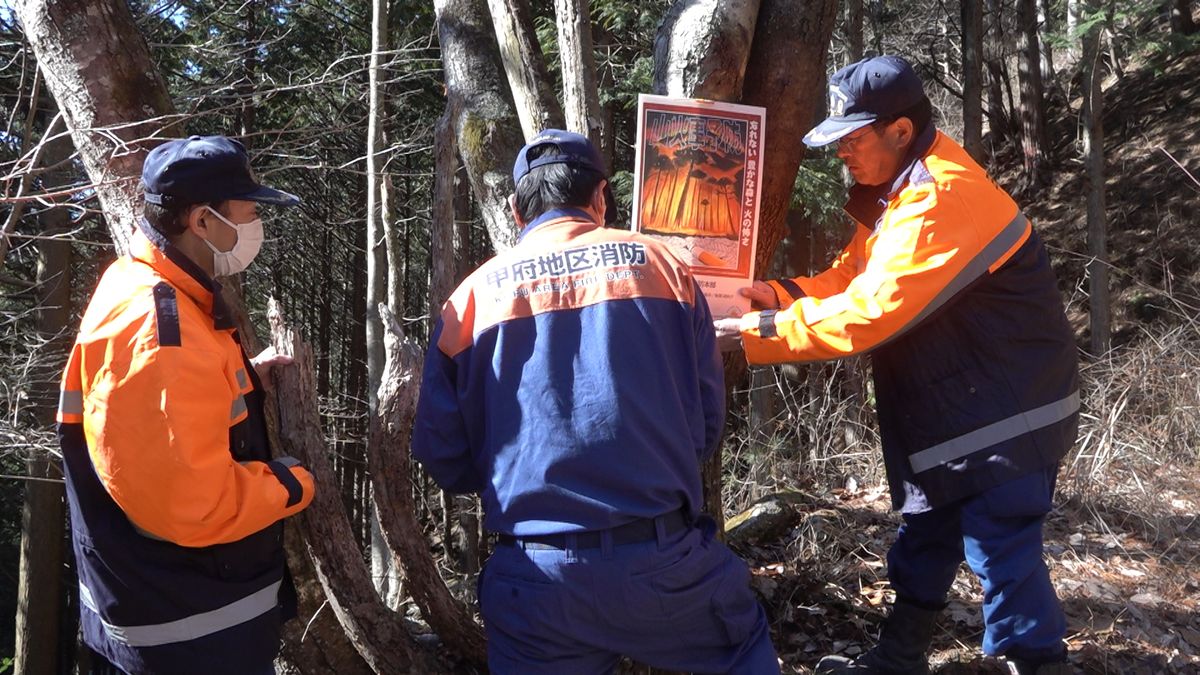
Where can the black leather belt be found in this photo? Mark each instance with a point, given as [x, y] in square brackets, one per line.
[636, 532]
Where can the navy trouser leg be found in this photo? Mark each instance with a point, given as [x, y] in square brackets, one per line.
[999, 534]
[1002, 533]
[925, 558]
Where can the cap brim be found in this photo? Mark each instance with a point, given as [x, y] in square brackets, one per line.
[266, 195]
[833, 129]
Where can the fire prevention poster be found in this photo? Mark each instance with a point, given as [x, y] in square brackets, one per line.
[697, 183]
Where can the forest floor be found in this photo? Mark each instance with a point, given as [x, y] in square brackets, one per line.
[1127, 572]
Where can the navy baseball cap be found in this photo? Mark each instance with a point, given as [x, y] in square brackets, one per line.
[574, 149]
[201, 169]
[874, 88]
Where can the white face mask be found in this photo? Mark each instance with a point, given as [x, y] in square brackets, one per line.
[237, 259]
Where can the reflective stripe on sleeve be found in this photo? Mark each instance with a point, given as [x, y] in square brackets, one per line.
[1001, 244]
[997, 432]
[238, 409]
[70, 402]
[188, 628]
[242, 381]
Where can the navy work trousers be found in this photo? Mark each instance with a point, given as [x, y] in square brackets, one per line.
[681, 602]
[999, 534]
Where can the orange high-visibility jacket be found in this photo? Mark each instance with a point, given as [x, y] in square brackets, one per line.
[948, 287]
[158, 387]
[948, 226]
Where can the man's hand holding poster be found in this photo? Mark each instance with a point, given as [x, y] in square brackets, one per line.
[697, 181]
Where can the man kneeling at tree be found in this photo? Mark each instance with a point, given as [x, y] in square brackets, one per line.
[574, 382]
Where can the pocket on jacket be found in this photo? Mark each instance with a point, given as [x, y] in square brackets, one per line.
[955, 405]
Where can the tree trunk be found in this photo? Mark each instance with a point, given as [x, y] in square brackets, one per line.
[99, 69]
[488, 131]
[702, 48]
[1181, 17]
[391, 431]
[580, 97]
[786, 66]
[1046, 53]
[701, 51]
[43, 516]
[972, 77]
[381, 270]
[854, 30]
[525, 66]
[378, 633]
[1099, 305]
[1033, 106]
[999, 122]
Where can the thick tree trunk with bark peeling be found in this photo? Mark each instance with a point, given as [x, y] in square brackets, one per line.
[98, 67]
[388, 459]
[488, 130]
[580, 98]
[378, 633]
[702, 49]
[525, 66]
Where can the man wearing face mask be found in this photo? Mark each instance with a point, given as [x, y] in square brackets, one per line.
[176, 502]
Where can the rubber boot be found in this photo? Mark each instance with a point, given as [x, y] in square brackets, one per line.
[903, 644]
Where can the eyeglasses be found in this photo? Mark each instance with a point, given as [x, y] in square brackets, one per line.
[849, 142]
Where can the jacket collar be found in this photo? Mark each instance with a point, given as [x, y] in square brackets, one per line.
[555, 216]
[868, 202]
[151, 247]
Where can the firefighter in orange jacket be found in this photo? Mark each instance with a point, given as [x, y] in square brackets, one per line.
[950, 290]
[176, 503]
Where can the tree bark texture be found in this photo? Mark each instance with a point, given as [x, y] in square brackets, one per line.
[1099, 304]
[786, 66]
[972, 77]
[98, 67]
[314, 643]
[43, 514]
[1046, 53]
[384, 264]
[1002, 113]
[525, 66]
[488, 130]
[1181, 17]
[443, 256]
[1033, 106]
[702, 48]
[389, 460]
[378, 633]
[581, 98]
[854, 30]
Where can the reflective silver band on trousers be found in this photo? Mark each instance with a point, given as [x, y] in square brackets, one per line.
[188, 628]
[997, 432]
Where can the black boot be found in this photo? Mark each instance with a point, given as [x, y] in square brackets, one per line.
[901, 650]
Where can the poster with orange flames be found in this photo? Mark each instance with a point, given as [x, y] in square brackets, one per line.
[697, 182]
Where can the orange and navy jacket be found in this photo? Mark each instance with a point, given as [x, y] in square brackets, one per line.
[175, 500]
[573, 381]
[949, 288]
